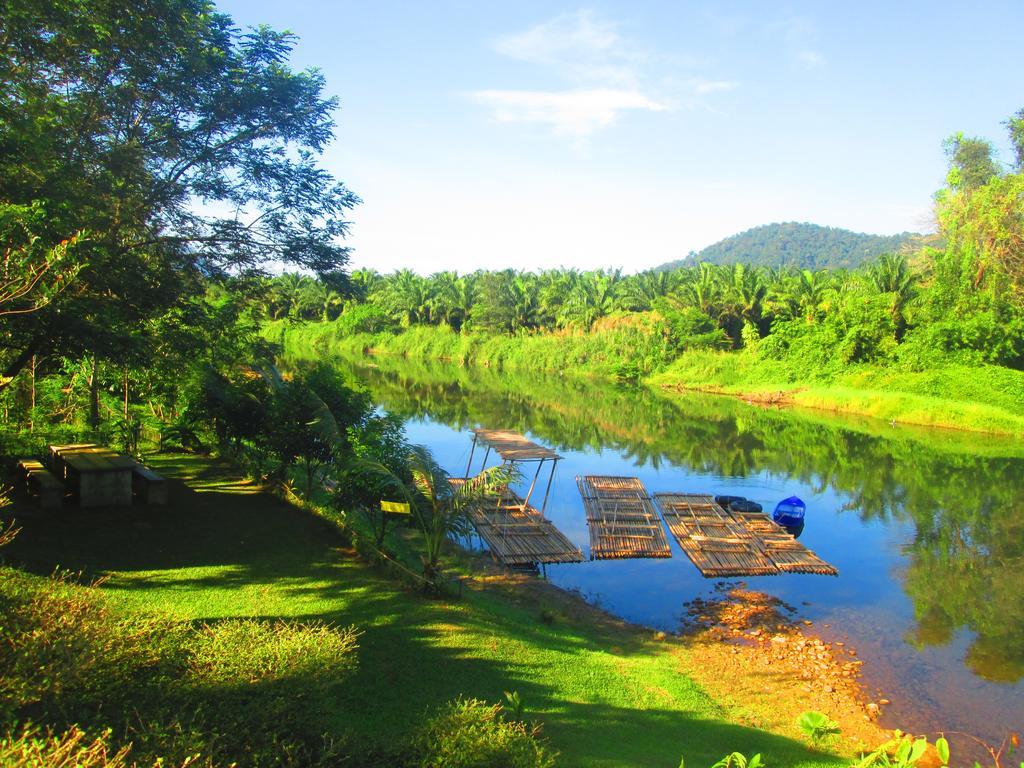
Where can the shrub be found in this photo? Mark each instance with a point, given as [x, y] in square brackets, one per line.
[71, 749]
[242, 692]
[243, 651]
[469, 733]
[363, 318]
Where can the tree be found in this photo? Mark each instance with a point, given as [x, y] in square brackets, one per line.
[971, 162]
[892, 275]
[405, 297]
[32, 273]
[503, 300]
[809, 290]
[185, 147]
[442, 509]
[1016, 127]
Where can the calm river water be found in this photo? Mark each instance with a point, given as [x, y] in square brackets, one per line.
[925, 526]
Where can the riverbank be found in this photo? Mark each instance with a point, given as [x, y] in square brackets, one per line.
[605, 693]
[978, 399]
[987, 399]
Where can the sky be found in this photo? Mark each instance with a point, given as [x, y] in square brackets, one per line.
[486, 135]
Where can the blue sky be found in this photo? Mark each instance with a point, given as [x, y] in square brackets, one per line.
[533, 135]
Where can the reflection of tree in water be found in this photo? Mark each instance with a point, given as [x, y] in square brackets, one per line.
[967, 570]
[965, 565]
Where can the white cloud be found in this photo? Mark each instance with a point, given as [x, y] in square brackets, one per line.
[599, 74]
[579, 47]
[574, 112]
[704, 87]
[809, 59]
[799, 38]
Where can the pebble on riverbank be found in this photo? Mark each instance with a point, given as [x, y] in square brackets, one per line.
[750, 638]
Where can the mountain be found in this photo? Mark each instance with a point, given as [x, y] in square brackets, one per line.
[807, 246]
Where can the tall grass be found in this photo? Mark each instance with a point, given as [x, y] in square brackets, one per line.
[636, 343]
[984, 398]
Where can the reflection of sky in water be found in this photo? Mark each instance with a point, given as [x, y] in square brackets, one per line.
[931, 688]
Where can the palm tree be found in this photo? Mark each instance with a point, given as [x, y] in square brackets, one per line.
[365, 283]
[810, 290]
[703, 290]
[891, 274]
[441, 508]
[320, 298]
[748, 291]
[287, 294]
[443, 296]
[406, 297]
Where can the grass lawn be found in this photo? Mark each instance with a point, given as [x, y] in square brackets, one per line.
[606, 696]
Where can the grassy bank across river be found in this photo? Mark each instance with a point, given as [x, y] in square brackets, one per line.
[606, 694]
[981, 398]
[975, 398]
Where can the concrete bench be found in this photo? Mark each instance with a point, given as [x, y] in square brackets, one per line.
[149, 487]
[39, 480]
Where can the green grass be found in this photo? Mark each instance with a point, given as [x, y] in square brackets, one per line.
[981, 398]
[638, 341]
[606, 697]
[976, 398]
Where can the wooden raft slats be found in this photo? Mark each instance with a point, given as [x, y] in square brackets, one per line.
[788, 554]
[512, 446]
[726, 543]
[711, 538]
[622, 519]
[516, 533]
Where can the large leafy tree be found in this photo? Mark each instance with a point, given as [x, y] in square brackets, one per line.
[183, 145]
[971, 162]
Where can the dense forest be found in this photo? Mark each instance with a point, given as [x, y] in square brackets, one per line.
[802, 245]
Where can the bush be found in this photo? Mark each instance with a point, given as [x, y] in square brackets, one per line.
[469, 733]
[71, 749]
[242, 692]
[243, 651]
[363, 318]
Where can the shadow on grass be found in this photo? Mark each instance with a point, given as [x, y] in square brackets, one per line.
[220, 548]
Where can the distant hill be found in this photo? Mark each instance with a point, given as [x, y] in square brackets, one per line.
[807, 246]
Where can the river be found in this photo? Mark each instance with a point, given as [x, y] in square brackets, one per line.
[925, 526]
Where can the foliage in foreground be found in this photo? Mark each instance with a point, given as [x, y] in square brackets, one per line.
[235, 691]
[83, 686]
[473, 734]
[901, 751]
[29, 748]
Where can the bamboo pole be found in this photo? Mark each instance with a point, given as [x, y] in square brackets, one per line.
[544, 504]
[472, 449]
[529, 493]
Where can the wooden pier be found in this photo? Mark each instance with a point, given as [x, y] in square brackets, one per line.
[622, 518]
[722, 543]
[516, 533]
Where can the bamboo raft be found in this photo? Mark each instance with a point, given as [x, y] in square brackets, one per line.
[622, 518]
[713, 540]
[722, 543]
[512, 446]
[516, 533]
[788, 554]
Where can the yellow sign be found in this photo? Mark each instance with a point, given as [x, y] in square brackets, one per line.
[394, 507]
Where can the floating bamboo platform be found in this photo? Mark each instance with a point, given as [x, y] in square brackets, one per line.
[713, 540]
[516, 533]
[512, 446]
[722, 543]
[622, 519]
[779, 546]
